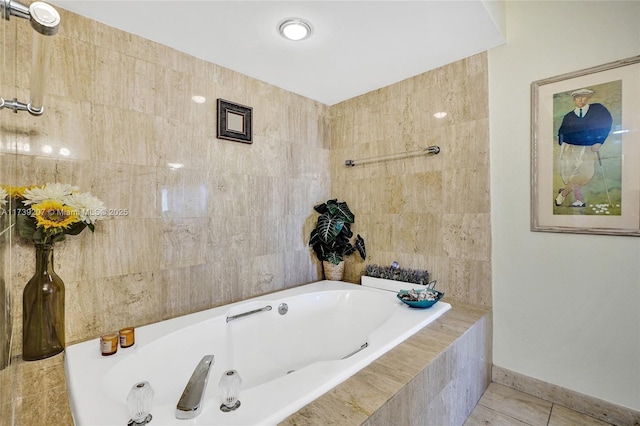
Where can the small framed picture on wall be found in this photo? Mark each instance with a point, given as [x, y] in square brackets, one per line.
[234, 122]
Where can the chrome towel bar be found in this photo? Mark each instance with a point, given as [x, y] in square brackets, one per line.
[433, 149]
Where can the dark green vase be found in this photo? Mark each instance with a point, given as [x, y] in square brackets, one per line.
[43, 309]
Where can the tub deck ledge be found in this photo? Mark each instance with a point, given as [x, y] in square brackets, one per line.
[434, 377]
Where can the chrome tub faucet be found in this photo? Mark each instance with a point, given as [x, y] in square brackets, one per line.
[189, 405]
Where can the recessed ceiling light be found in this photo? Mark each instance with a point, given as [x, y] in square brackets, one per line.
[441, 114]
[294, 29]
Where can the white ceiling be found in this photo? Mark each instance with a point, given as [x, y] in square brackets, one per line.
[355, 47]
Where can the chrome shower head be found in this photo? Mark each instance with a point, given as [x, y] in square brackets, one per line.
[45, 21]
[44, 18]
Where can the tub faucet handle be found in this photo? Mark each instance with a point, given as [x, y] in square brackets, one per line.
[189, 405]
[230, 383]
[139, 401]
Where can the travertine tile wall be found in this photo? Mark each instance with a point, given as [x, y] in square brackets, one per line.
[426, 212]
[230, 224]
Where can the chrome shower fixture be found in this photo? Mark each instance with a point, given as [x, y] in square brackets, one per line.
[45, 20]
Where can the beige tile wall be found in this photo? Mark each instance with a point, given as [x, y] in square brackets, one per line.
[426, 212]
[230, 224]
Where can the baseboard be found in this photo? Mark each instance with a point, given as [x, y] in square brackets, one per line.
[594, 407]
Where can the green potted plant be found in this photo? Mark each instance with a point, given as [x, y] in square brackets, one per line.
[332, 235]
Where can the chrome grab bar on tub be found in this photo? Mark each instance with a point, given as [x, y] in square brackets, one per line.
[244, 314]
[364, 346]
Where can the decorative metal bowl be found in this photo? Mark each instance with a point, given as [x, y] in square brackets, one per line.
[421, 298]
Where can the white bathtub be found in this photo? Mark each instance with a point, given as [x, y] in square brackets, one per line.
[285, 361]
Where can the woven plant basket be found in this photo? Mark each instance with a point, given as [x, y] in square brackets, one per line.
[333, 272]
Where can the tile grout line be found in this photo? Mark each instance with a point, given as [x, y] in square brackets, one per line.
[506, 415]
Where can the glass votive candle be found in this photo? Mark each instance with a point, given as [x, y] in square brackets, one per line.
[109, 344]
[127, 337]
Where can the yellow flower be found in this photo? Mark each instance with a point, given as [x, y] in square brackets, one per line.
[53, 214]
[17, 191]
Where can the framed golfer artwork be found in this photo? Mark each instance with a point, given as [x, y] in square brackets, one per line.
[585, 151]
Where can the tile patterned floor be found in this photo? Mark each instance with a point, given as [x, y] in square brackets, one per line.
[503, 406]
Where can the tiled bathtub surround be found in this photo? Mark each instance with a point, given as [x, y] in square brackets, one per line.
[40, 391]
[199, 222]
[434, 378]
[228, 224]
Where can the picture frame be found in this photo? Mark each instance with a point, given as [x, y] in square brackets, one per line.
[585, 167]
[234, 122]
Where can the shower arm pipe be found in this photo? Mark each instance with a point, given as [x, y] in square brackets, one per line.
[14, 8]
[433, 149]
[45, 20]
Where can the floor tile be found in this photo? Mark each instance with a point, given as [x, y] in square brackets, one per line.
[483, 416]
[561, 416]
[517, 405]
